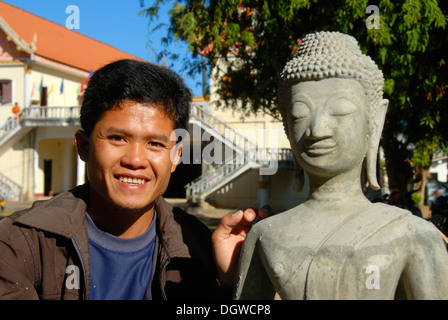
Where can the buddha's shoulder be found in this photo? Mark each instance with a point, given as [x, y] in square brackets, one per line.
[400, 220]
[378, 215]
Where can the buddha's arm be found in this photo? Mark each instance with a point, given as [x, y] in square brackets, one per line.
[253, 281]
[426, 273]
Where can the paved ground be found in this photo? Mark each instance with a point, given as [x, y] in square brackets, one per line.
[207, 214]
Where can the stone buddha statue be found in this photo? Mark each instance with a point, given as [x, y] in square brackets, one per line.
[337, 244]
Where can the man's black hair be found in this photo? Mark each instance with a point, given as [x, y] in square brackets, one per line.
[138, 81]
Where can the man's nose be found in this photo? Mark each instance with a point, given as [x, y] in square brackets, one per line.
[135, 157]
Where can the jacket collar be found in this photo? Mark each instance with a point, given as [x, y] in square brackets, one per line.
[169, 230]
[65, 215]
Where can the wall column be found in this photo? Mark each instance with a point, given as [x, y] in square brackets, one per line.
[262, 185]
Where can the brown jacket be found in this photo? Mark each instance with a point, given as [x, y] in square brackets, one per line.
[40, 246]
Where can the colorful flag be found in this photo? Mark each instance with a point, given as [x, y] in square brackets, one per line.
[82, 86]
[90, 75]
[33, 89]
[61, 90]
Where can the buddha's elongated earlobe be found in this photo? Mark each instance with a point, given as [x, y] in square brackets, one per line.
[371, 169]
[375, 130]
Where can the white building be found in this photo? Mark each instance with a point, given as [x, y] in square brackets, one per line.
[233, 162]
[439, 168]
[43, 69]
[265, 175]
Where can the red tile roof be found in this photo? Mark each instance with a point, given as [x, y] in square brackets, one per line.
[58, 43]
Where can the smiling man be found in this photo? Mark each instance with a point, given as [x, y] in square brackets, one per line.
[129, 166]
[116, 237]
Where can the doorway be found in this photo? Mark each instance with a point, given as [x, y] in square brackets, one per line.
[48, 164]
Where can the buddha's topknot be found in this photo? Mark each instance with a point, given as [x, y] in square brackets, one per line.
[325, 55]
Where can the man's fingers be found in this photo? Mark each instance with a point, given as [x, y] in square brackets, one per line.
[229, 221]
[265, 211]
[248, 218]
[242, 220]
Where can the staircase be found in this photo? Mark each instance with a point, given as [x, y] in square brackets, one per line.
[247, 155]
[18, 126]
[9, 189]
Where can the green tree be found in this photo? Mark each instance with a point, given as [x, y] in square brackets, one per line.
[408, 46]
[422, 158]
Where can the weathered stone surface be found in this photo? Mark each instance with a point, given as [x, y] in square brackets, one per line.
[337, 244]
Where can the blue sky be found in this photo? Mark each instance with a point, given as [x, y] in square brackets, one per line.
[117, 23]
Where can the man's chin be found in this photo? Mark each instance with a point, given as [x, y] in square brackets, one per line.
[134, 209]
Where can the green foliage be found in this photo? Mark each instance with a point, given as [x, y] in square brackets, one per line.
[417, 198]
[409, 46]
[270, 29]
[425, 149]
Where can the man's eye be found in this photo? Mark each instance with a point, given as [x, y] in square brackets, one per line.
[116, 138]
[155, 145]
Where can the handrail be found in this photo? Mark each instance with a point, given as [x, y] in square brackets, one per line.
[247, 151]
[227, 132]
[9, 188]
[257, 157]
[38, 113]
[9, 126]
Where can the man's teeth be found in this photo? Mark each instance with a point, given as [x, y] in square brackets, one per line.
[132, 180]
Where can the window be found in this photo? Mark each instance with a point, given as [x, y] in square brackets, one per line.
[5, 91]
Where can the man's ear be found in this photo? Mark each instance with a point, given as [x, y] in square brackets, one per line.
[175, 156]
[375, 131]
[82, 145]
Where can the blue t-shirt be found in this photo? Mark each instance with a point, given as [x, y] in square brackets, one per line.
[120, 268]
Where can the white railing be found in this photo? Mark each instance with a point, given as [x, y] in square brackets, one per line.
[247, 155]
[51, 113]
[9, 126]
[205, 185]
[226, 132]
[197, 189]
[9, 189]
[37, 114]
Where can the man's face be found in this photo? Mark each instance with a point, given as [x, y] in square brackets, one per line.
[128, 156]
[327, 125]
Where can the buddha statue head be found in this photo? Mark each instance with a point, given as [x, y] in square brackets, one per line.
[330, 75]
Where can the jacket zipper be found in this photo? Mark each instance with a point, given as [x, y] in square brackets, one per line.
[82, 267]
[162, 289]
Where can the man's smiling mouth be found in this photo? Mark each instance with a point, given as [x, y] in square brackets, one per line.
[134, 181]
